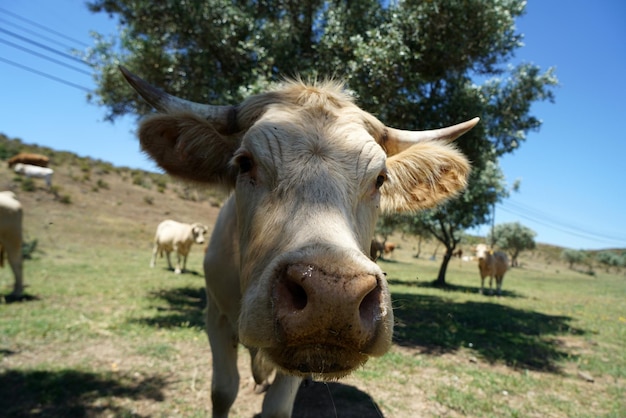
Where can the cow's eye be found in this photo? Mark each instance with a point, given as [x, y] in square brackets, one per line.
[380, 180]
[245, 164]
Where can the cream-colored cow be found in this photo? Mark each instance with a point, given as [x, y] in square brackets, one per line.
[178, 237]
[287, 268]
[492, 264]
[11, 238]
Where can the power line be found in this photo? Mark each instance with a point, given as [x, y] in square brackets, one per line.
[41, 73]
[548, 217]
[30, 51]
[40, 26]
[34, 33]
[559, 226]
[40, 45]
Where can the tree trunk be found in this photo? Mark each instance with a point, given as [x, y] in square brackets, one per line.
[441, 277]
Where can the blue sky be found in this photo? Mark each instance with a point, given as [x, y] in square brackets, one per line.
[572, 171]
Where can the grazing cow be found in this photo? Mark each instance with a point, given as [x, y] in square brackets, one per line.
[389, 247]
[287, 269]
[28, 158]
[11, 237]
[493, 264]
[458, 253]
[179, 237]
[35, 171]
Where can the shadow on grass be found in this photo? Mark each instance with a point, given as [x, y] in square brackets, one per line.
[71, 393]
[452, 288]
[25, 297]
[332, 399]
[497, 333]
[183, 306]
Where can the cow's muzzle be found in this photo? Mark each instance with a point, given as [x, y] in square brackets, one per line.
[326, 323]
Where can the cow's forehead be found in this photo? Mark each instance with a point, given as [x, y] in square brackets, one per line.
[286, 132]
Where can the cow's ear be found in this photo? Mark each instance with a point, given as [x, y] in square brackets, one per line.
[423, 176]
[189, 147]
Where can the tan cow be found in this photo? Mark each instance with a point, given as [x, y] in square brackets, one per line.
[172, 236]
[492, 264]
[29, 158]
[287, 270]
[11, 238]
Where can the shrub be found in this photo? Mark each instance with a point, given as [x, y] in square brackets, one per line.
[28, 185]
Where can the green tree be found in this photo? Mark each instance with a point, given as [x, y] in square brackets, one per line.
[414, 64]
[573, 257]
[513, 238]
[609, 259]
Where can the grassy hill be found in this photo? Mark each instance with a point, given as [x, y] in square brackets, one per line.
[91, 199]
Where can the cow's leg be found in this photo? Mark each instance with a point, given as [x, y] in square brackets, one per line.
[499, 285]
[169, 260]
[482, 285]
[183, 267]
[280, 396]
[155, 250]
[15, 260]
[223, 340]
[178, 269]
[490, 285]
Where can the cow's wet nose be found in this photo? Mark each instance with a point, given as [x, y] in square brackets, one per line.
[315, 307]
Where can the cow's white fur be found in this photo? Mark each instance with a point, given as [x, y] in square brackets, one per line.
[178, 237]
[30, 170]
[492, 264]
[305, 164]
[11, 237]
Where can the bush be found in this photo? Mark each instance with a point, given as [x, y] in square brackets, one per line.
[28, 185]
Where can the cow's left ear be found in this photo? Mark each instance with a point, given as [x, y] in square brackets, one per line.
[422, 176]
[189, 147]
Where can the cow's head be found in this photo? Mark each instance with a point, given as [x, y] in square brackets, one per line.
[311, 172]
[198, 231]
[482, 251]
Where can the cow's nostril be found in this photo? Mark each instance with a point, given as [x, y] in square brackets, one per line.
[290, 295]
[297, 295]
[369, 309]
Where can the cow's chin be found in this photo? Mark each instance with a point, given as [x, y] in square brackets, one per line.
[321, 361]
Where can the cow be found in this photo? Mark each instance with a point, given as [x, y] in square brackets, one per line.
[29, 170]
[287, 269]
[178, 237]
[492, 264]
[29, 158]
[389, 247]
[11, 238]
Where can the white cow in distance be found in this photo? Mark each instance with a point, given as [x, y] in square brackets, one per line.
[287, 269]
[30, 170]
[492, 264]
[172, 236]
[11, 237]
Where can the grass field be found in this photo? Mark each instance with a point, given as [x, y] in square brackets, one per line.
[101, 334]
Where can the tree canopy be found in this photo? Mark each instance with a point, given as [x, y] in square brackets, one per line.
[514, 238]
[414, 64]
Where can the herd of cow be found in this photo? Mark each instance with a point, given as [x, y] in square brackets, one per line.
[288, 269]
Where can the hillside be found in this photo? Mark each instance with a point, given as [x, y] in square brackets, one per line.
[90, 198]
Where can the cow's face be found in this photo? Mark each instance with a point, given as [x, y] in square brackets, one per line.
[311, 172]
[482, 251]
[198, 232]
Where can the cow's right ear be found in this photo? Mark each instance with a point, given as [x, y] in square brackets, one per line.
[189, 147]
